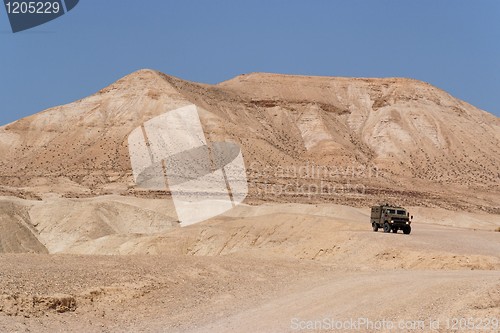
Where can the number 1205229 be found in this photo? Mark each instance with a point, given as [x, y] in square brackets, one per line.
[33, 7]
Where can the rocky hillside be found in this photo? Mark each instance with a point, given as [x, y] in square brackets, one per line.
[303, 139]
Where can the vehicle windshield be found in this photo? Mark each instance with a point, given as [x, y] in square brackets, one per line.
[401, 212]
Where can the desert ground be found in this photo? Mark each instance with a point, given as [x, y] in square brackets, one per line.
[266, 268]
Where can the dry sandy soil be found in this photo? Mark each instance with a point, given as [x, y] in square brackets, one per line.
[268, 268]
[83, 249]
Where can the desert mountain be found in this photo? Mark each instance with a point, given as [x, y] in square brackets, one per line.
[304, 139]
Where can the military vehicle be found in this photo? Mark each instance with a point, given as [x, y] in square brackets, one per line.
[390, 218]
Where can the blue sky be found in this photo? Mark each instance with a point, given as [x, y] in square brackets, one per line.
[454, 45]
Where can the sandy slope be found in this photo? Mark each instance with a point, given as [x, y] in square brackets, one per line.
[256, 269]
[128, 225]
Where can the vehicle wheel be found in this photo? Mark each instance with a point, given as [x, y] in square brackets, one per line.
[375, 227]
[407, 230]
[387, 227]
[395, 230]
